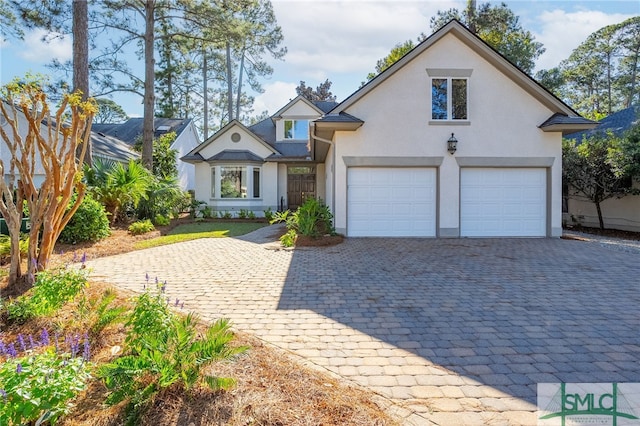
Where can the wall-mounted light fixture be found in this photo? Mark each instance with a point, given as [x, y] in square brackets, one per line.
[452, 144]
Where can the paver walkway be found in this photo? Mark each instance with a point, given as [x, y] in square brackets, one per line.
[455, 331]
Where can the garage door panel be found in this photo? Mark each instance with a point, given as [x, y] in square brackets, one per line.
[502, 202]
[391, 202]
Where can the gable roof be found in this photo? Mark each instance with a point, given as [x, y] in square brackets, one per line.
[462, 33]
[194, 154]
[265, 132]
[131, 129]
[295, 100]
[618, 123]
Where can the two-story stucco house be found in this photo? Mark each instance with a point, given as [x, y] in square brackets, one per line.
[451, 141]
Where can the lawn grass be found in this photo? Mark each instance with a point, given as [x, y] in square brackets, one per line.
[194, 231]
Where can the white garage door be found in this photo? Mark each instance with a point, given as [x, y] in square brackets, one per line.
[503, 202]
[391, 202]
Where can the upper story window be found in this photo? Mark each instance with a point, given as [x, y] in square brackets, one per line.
[296, 129]
[449, 95]
[449, 98]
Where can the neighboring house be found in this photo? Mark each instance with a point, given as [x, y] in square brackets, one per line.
[617, 213]
[186, 139]
[108, 148]
[5, 154]
[380, 158]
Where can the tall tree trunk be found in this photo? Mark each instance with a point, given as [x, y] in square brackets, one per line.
[634, 71]
[471, 15]
[610, 100]
[80, 30]
[229, 84]
[599, 210]
[205, 97]
[149, 80]
[239, 94]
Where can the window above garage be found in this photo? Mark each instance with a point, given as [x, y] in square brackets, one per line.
[296, 129]
[449, 95]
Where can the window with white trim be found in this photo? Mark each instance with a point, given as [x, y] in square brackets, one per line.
[449, 98]
[233, 182]
[296, 129]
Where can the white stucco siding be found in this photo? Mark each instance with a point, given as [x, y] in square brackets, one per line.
[503, 120]
[202, 182]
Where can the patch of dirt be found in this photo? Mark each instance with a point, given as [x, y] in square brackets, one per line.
[324, 241]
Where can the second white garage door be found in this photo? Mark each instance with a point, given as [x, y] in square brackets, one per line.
[498, 202]
[391, 202]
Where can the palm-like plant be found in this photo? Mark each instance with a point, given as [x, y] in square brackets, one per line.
[164, 197]
[117, 186]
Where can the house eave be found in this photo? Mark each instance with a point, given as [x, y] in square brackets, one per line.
[567, 129]
[339, 126]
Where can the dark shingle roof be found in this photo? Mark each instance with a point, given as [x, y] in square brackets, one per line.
[265, 130]
[343, 117]
[617, 123]
[235, 155]
[558, 118]
[131, 129]
[325, 106]
[291, 149]
[111, 148]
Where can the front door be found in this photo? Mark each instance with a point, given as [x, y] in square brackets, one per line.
[301, 184]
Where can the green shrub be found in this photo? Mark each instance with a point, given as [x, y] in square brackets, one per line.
[99, 312]
[207, 212]
[39, 388]
[5, 245]
[225, 215]
[51, 290]
[161, 220]
[313, 218]
[163, 349]
[141, 227]
[243, 214]
[279, 217]
[289, 239]
[194, 207]
[89, 223]
[268, 214]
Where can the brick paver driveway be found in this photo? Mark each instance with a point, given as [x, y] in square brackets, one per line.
[456, 331]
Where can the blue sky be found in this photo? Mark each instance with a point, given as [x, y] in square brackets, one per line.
[342, 40]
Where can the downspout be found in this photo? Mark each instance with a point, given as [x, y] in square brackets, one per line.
[315, 137]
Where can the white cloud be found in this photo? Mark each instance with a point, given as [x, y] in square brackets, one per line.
[275, 96]
[349, 36]
[562, 31]
[42, 47]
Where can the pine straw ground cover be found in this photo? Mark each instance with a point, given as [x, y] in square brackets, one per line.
[273, 387]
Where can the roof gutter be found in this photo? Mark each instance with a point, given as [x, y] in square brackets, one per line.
[315, 137]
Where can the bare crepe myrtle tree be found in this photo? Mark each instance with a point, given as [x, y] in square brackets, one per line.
[47, 147]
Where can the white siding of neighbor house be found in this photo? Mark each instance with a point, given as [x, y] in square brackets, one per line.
[5, 154]
[184, 143]
[503, 122]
